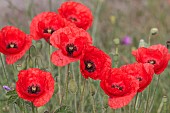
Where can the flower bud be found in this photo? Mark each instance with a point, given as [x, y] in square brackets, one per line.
[154, 31]
[116, 41]
[142, 43]
[72, 86]
[7, 88]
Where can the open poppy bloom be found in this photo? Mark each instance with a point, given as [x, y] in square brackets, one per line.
[157, 55]
[45, 23]
[120, 87]
[142, 72]
[94, 63]
[14, 43]
[35, 85]
[71, 41]
[76, 13]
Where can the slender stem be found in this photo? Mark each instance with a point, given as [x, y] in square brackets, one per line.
[153, 96]
[75, 95]
[94, 110]
[82, 94]
[136, 98]
[5, 73]
[32, 106]
[59, 84]
[149, 39]
[68, 72]
[147, 103]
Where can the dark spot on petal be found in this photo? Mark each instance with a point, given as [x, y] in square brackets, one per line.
[152, 61]
[89, 66]
[49, 30]
[70, 48]
[117, 87]
[73, 19]
[139, 78]
[11, 45]
[33, 89]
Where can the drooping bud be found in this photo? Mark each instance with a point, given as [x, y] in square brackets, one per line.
[168, 44]
[154, 31]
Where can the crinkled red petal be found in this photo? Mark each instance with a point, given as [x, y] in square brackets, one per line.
[10, 59]
[59, 59]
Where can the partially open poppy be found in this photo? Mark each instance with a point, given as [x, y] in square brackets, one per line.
[142, 72]
[45, 23]
[94, 63]
[157, 55]
[14, 43]
[76, 13]
[35, 85]
[120, 87]
[71, 41]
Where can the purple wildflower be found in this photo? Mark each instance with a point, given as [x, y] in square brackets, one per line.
[6, 88]
[126, 40]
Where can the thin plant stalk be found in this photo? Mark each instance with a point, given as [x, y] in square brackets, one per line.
[148, 98]
[67, 76]
[136, 98]
[3, 67]
[59, 84]
[153, 96]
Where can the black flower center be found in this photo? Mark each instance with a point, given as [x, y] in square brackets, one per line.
[11, 45]
[49, 30]
[117, 87]
[73, 19]
[89, 66]
[34, 89]
[152, 61]
[139, 78]
[70, 48]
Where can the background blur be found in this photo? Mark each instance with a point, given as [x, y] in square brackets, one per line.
[112, 19]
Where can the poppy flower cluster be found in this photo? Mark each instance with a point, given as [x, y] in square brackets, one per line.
[66, 31]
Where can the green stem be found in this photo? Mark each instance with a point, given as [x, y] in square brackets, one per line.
[67, 76]
[148, 98]
[136, 98]
[81, 97]
[59, 84]
[33, 108]
[5, 73]
[149, 39]
[153, 96]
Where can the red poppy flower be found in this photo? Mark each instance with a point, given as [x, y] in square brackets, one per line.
[35, 85]
[94, 63]
[142, 72]
[157, 55]
[120, 87]
[71, 41]
[77, 13]
[13, 43]
[45, 23]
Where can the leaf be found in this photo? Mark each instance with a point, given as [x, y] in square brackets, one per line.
[63, 109]
[10, 93]
[12, 99]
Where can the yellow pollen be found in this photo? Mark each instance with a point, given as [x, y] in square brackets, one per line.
[89, 65]
[33, 88]
[12, 45]
[49, 31]
[71, 48]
